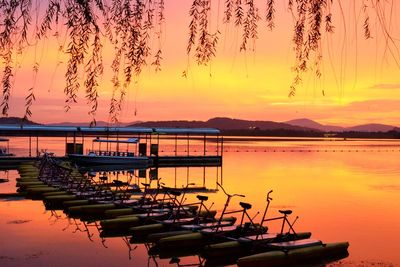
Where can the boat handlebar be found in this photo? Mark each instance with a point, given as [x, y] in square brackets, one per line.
[268, 197]
[229, 195]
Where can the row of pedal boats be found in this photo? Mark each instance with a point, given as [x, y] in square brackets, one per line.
[174, 227]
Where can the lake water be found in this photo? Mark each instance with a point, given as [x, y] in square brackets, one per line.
[342, 190]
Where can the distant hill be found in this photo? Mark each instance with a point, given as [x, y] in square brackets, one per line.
[372, 127]
[16, 120]
[232, 124]
[369, 128]
[225, 124]
[315, 125]
[172, 124]
[87, 124]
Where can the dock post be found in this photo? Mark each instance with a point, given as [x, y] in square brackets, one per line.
[66, 141]
[107, 143]
[204, 145]
[30, 145]
[188, 145]
[158, 143]
[175, 176]
[176, 145]
[218, 145]
[117, 141]
[74, 140]
[222, 145]
[83, 143]
[204, 177]
[37, 145]
[187, 175]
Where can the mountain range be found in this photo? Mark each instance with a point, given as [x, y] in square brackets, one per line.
[229, 124]
[225, 124]
[292, 125]
[371, 127]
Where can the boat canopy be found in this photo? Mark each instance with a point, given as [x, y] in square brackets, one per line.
[129, 141]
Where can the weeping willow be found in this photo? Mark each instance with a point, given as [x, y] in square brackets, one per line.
[130, 25]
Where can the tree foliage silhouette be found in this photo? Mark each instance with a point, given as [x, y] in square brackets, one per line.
[129, 25]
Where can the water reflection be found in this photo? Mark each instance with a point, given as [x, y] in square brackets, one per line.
[386, 187]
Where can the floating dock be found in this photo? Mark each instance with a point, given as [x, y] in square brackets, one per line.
[149, 144]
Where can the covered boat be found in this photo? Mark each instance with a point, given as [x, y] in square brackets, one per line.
[111, 157]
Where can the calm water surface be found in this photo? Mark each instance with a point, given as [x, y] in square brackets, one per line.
[341, 191]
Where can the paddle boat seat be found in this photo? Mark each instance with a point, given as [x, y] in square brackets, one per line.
[250, 238]
[177, 221]
[175, 193]
[245, 205]
[285, 212]
[119, 183]
[295, 244]
[222, 228]
[210, 227]
[202, 198]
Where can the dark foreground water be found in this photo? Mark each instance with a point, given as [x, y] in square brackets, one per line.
[341, 190]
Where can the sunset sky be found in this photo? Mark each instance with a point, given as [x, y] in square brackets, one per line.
[360, 78]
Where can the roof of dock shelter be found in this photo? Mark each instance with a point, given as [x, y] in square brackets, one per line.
[40, 130]
[129, 141]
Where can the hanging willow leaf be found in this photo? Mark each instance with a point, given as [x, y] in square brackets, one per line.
[161, 19]
[6, 82]
[52, 14]
[157, 61]
[290, 5]
[270, 14]
[94, 69]
[328, 23]
[367, 32]
[28, 104]
[194, 14]
[25, 6]
[249, 25]
[239, 14]
[228, 13]
[206, 42]
[315, 14]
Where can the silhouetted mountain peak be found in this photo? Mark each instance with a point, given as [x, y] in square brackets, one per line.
[16, 120]
[304, 122]
[372, 127]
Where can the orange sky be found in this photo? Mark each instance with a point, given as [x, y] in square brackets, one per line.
[360, 78]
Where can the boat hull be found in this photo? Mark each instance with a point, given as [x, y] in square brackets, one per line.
[294, 256]
[245, 246]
